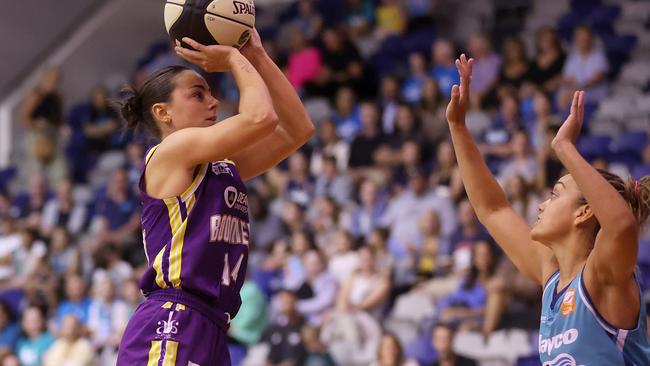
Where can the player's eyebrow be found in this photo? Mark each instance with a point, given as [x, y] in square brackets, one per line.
[559, 183]
[200, 86]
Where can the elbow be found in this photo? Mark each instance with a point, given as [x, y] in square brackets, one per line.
[268, 120]
[308, 131]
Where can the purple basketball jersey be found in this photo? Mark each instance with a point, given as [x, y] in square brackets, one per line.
[198, 241]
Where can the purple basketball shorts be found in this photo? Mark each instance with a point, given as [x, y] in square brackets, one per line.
[175, 328]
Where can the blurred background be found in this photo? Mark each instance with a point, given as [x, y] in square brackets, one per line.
[365, 250]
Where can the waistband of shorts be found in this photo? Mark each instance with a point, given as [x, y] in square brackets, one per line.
[210, 310]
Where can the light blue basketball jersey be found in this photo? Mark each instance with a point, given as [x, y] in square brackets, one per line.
[572, 332]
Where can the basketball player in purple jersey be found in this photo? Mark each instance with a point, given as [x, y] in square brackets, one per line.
[195, 223]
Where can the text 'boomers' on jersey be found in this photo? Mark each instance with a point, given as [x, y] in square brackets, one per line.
[198, 241]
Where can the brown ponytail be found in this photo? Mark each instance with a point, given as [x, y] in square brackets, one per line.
[635, 192]
[136, 104]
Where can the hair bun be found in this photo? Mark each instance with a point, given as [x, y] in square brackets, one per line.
[131, 107]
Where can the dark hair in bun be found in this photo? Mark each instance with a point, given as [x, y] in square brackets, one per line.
[137, 102]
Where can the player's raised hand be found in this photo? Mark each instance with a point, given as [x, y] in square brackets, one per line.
[253, 46]
[213, 58]
[571, 127]
[457, 107]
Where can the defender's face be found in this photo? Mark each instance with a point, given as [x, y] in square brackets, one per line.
[556, 214]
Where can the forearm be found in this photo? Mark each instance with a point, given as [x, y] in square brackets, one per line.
[291, 112]
[254, 100]
[608, 206]
[483, 191]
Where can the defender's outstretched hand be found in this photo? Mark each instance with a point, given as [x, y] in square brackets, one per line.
[213, 58]
[457, 107]
[571, 127]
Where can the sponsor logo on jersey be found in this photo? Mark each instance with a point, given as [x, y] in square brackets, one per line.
[569, 302]
[563, 359]
[219, 168]
[241, 7]
[235, 199]
[547, 345]
[167, 327]
[229, 229]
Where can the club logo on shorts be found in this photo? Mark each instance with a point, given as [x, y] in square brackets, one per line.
[563, 359]
[569, 302]
[167, 327]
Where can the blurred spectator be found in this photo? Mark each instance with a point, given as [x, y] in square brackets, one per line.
[391, 353]
[41, 287]
[28, 256]
[522, 162]
[586, 67]
[444, 67]
[283, 334]
[486, 65]
[333, 183]
[546, 70]
[76, 303]
[368, 139]
[506, 123]
[9, 330]
[329, 144]
[10, 241]
[294, 272]
[469, 231]
[308, 20]
[403, 212]
[509, 292]
[30, 204]
[42, 116]
[265, 226]
[343, 260]
[446, 173]
[325, 223]
[251, 320]
[321, 284]
[378, 240]
[346, 116]
[367, 214]
[389, 99]
[522, 197]
[360, 15]
[429, 259]
[107, 318]
[304, 63]
[101, 128]
[409, 157]
[63, 211]
[366, 288]
[432, 113]
[108, 262]
[64, 255]
[390, 19]
[70, 349]
[412, 86]
[117, 215]
[35, 340]
[466, 306]
[442, 341]
[407, 127]
[300, 186]
[515, 69]
[131, 295]
[317, 354]
[11, 360]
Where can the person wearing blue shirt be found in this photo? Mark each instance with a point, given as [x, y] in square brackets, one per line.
[35, 340]
[444, 70]
[76, 302]
[582, 250]
[9, 330]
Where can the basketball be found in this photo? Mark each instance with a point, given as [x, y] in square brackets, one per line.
[225, 22]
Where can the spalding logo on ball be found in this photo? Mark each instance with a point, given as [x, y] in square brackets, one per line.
[226, 22]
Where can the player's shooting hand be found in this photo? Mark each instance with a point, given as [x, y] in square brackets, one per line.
[571, 127]
[457, 107]
[253, 48]
[213, 58]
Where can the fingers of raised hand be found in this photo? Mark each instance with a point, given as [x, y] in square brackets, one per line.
[194, 44]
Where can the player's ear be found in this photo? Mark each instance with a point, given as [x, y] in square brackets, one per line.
[583, 214]
[160, 112]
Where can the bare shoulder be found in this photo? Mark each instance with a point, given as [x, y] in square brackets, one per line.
[165, 177]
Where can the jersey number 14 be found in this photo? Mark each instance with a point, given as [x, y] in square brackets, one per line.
[228, 275]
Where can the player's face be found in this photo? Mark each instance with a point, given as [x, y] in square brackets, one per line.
[191, 103]
[556, 214]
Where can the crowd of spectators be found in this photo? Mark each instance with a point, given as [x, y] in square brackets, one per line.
[363, 242]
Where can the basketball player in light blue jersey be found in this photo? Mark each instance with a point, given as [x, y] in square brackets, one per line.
[582, 249]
